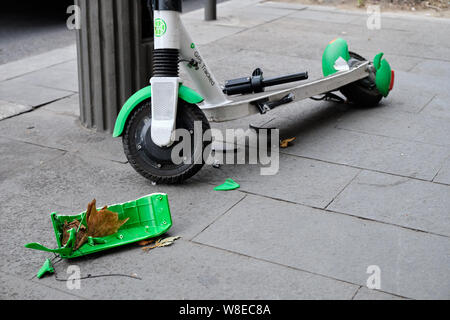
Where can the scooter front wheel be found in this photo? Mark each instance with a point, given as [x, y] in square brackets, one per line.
[157, 163]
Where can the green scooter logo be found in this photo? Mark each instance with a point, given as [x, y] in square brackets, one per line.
[160, 27]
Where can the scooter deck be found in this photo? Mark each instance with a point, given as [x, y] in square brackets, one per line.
[245, 105]
[148, 216]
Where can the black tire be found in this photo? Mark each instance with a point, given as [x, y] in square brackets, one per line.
[363, 93]
[153, 162]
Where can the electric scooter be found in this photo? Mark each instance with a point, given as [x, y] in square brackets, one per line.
[148, 120]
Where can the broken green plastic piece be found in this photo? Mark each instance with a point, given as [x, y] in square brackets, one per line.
[149, 217]
[229, 184]
[383, 77]
[63, 251]
[46, 267]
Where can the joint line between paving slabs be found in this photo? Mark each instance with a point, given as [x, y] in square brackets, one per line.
[426, 104]
[342, 190]
[44, 68]
[34, 144]
[356, 292]
[367, 169]
[440, 168]
[220, 216]
[347, 214]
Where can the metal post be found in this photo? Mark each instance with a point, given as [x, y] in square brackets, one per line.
[211, 10]
[115, 46]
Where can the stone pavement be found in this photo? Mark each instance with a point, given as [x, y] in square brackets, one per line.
[357, 188]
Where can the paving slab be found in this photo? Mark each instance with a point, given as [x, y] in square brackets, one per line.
[406, 202]
[75, 179]
[8, 109]
[438, 107]
[403, 98]
[298, 180]
[14, 288]
[436, 68]
[18, 92]
[397, 61]
[335, 245]
[19, 156]
[329, 16]
[67, 106]
[211, 32]
[56, 130]
[421, 85]
[412, 159]
[37, 62]
[26, 218]
[191, 271]
[249, 15]
[314, 35]
[63, 76]
[387, 121]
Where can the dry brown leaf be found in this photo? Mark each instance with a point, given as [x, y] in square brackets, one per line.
[73, 224]
[99, 224]
[285, 143]
[162, 243]
[145, 242]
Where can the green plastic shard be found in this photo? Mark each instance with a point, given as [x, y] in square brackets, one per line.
[46, 267]
[384, 75]
[63, 251]
[229, 184]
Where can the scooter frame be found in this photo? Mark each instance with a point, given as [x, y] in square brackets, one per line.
[170, 33]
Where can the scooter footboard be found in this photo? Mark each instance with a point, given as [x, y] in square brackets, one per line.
[243, 105]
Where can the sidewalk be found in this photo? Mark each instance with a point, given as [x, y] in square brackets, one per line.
[357, 188]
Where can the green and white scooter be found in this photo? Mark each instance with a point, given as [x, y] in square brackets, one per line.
[148, 120]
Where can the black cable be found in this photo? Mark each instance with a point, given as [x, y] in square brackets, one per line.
[329, 97]
[89, 276]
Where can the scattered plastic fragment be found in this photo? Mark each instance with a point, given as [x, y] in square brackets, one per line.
[229, 184]
[285, 143]
[159, 243]
[46, 267]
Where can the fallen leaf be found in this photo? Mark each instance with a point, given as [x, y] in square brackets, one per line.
[285, 143]
[73, 224]
[145, 242]
[99, 224]
[162, 243]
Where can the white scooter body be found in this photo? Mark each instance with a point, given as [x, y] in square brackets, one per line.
[170, 33]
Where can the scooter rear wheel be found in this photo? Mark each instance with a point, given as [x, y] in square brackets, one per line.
[154, 162]
[362, 93]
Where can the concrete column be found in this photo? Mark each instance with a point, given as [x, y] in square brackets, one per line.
[211, 10]
[115, 46]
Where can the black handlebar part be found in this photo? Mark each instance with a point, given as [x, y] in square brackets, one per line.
[257, 83]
